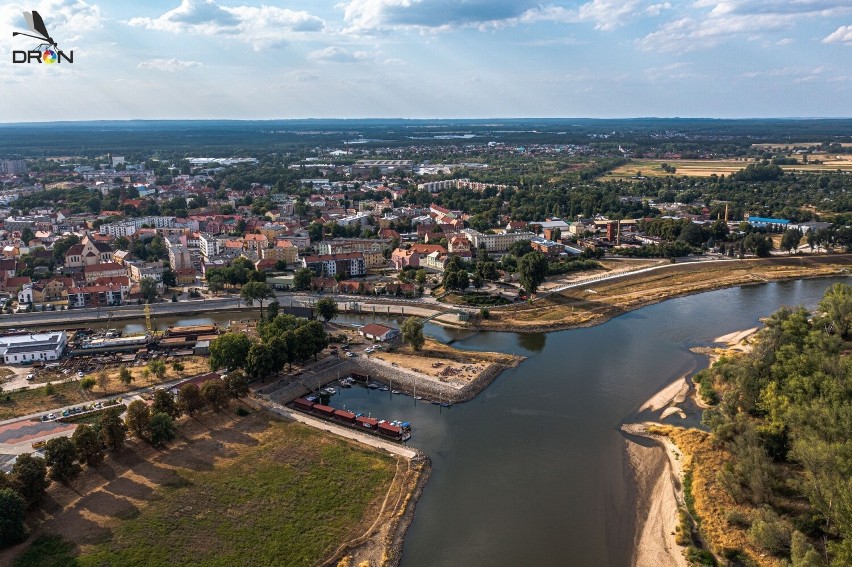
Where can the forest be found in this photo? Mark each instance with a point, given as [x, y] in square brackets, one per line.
[783, 413]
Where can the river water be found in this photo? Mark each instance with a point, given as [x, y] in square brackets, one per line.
[533, 472]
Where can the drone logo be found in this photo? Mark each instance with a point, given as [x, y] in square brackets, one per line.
[47, 52]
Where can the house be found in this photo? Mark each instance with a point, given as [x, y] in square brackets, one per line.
[414, 255]
[380, 333]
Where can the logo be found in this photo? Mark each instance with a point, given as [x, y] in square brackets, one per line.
[47, 52]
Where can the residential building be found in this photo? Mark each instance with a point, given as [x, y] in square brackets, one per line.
[95, 295]
[283, 250]
[179, 257]
[140, 270]
[495, 242]
[208, 245]
[12, 166]
[549, 248]
[330, 265]
[107, 270]
[414, 255]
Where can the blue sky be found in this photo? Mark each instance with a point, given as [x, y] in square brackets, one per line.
[240, 59]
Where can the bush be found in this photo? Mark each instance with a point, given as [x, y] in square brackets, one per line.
[737, 518]
[49, 389]
[484, 313]
[241, 411]
[770, 532]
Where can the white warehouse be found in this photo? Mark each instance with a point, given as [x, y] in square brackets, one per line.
[33, 347]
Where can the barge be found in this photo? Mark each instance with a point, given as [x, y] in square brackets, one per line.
[391, 430]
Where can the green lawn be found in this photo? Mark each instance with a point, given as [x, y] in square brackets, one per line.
[291, 500]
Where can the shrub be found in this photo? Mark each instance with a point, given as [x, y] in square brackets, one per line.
[770, 532]
[241, 411]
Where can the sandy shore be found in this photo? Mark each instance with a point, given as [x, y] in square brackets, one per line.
[658, 478]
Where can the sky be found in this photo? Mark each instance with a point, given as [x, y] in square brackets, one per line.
[277, 59]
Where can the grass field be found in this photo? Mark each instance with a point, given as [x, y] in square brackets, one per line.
[246, 491]
[706, 168]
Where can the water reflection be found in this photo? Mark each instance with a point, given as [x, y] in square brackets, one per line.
[533, 342]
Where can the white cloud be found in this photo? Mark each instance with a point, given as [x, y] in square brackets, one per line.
[261, 27]
[843, 34]
[723, 20]
[336, 54]
[441, 15]
[170, 65]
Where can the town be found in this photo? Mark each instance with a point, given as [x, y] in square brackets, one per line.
[138, 290]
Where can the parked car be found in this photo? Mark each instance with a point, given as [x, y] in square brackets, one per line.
[30, 376]
[351, 354]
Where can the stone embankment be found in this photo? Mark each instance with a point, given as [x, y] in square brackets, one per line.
[292, 387]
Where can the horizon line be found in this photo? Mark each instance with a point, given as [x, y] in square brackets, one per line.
[402, 119]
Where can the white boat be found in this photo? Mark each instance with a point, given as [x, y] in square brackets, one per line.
[330, 391]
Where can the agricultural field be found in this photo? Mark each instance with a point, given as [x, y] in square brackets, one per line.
[705, 168]
[232, 491]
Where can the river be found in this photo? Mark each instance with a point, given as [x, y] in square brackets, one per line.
[533, 471]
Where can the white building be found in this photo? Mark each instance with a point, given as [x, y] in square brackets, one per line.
[20, 349]
[495, 242]
[208, 245]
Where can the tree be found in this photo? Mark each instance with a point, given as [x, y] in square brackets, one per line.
[29, 478]
[189, 399]
[138, 418]
[178, 367]
[256, 291]
[89, 447]
[757, 243]
[327, 308]
[164, 402]
[229, 351]
[169, 278]
[533, 269]
[148, 289]
[157, 368]
[162, 429]
[261, 361]
[236, 384]
[103, 380]
[61, 456]
[125, 376]
[486, 270]
[790, 239]
[272, 309]
[420, 276]
[13, 510]
[111, 429]
[836, 304]
[302, 279]
[88, 383]
[215, 395]
[412, 332]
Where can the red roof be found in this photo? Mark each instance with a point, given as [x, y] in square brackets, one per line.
[375, 330]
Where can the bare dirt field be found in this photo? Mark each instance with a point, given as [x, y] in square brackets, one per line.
[600, 301]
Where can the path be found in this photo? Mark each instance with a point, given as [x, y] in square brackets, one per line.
[364, 438]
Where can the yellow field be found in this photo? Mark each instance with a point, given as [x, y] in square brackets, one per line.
[706, 168]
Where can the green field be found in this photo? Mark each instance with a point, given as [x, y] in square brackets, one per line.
[292, 499]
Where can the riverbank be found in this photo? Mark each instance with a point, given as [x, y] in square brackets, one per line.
[658, 476]
[598, 302]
